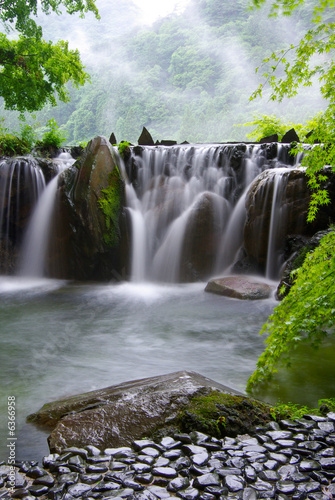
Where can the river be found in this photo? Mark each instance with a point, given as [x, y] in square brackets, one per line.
[60, 338]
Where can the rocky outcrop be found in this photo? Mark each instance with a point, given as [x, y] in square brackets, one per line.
[239, 287]
[117, 415]
[202, 236]
[87, 241]
[286, 217]
[145, 138]
[296, 252]
[290, 136]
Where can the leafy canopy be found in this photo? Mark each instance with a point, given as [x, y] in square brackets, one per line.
[33, 71]
[306, 314]
[299, 65]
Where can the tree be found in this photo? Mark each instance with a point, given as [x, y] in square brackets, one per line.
[311, 59]
[307, 313]
[33, 71]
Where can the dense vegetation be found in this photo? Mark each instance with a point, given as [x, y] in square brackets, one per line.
[187, 77]
[34, 71]
[307, 313]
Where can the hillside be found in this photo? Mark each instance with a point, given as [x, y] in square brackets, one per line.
[186, 77]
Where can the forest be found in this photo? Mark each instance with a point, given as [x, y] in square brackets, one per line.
[187, 77]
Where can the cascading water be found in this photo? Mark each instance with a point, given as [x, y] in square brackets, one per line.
[36, 241]
[187, 208]
[21, 182]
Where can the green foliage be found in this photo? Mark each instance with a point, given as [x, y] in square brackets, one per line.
[299, 65]
[28, 135]
[11, 145]
[123, 148]
[110, 204]
[52, 138]
[32, 70]
[266, 125]
[306, 314]
[293, 411]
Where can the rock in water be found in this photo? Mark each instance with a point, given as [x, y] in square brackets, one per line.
[118, 415]
[239, 287]
[145, 138]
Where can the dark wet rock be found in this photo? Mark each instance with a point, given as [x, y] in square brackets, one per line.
[269, 138]
[78, 490]
[239, 287]
[285, 487]
[145, 138]
[234, 483]
[86, 244]
[203, 233]
[122, 411]
[293, 223]
[290, 136]
[241, 469]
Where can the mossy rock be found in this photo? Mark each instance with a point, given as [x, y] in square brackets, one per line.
[219, 415]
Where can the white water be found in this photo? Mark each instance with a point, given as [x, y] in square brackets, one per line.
[14, 174]
[170, 192]
[36, 242]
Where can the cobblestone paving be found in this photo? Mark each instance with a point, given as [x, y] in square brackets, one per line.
[285, 460]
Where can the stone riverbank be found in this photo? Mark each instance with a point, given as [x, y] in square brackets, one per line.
[282, 460]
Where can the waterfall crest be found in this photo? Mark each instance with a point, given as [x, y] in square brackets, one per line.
[187, 207]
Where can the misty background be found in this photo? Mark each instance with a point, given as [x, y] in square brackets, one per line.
[187, 76]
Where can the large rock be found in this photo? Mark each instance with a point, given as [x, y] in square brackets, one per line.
[117, 415]
[203, 233]
[89, 239]
[287, 218]
[239, 287]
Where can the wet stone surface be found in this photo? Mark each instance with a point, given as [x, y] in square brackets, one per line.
[290, 460]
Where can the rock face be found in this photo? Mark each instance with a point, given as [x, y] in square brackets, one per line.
[202, 235]
[117, 415]
[87, 236]
[239, 287]
[289, 215]
[145, 138]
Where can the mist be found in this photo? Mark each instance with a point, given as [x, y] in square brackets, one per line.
[187, 76]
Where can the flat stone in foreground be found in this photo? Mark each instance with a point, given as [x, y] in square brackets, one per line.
[239, 287]
[118, 415]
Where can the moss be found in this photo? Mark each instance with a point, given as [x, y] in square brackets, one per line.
[110, 204]
[219, 414]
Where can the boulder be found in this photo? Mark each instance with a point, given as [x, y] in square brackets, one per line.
[117, 415]
[202, 236]
[269, 138]
[291, 209]
[145, 138]
[290, 136]
[239, 287]
[112, 139]
[88, 231]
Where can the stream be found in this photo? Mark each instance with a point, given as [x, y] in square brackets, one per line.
[60, 338]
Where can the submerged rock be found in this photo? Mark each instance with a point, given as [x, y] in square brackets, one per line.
[118, 415]
[239, 287]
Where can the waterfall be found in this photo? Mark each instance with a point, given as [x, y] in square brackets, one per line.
[36, 240]
[21, 182]
[187, 207]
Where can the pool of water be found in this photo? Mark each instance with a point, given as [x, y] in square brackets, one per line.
[59, 339]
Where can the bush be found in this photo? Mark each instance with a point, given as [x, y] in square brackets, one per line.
[53, 138]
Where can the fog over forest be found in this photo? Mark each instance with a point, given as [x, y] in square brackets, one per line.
[188, 76]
